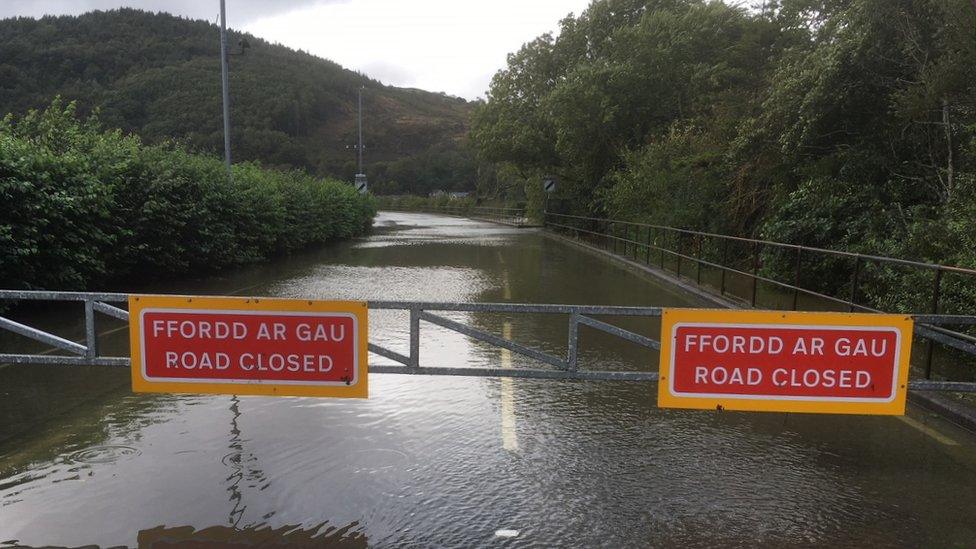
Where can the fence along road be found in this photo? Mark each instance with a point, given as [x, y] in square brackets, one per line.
[666, 248]
[638, 241]
[566, 367]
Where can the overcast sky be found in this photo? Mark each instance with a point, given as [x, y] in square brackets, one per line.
[454, 46]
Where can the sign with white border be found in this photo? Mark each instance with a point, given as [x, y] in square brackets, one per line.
[839, 363]
[248, 346]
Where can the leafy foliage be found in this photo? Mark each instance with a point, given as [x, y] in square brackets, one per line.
[846, 124]
[80, 207]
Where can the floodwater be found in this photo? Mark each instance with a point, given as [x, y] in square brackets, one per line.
[456, 461]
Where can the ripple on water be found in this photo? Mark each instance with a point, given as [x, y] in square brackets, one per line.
[376, 459]
[109, 453]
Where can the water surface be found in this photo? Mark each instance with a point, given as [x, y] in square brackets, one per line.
[461, 461]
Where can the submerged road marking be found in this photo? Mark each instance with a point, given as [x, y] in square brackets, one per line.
[509, 432]
[925, 429]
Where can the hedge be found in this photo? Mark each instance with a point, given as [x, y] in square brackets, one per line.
[81, 207]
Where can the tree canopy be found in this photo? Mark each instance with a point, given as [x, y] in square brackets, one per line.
[839, 123]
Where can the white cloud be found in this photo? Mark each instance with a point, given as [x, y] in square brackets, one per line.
[453, 46]
[239, 12]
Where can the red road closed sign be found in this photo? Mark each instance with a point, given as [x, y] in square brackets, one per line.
[248, 346]
[792, 362]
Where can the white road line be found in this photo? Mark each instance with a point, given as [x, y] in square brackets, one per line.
[509, 431]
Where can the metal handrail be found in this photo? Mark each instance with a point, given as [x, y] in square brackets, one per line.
[562, 367]
[565, 367]
[510, 216]
[955, 339]
[839, 253]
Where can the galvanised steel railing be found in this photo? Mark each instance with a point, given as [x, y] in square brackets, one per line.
[564, 367]
[632, 240]
[86, 354]
[560, 367]
[507, 216]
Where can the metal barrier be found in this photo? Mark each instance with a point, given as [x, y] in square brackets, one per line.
[515, 217]
[616, 236]
[567, 367]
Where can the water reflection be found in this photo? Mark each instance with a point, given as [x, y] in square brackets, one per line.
[235, 461]
[350, 536]
[452, 461]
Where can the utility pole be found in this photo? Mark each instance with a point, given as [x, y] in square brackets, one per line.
[225, 84]
[360, 130]
[360, 183]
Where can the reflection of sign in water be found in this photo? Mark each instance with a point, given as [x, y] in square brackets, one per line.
[361, 185]
[248, 346]
[788, 362]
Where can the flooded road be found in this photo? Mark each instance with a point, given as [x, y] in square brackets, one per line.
[461, 462]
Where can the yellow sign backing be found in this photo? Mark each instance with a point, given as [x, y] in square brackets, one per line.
[773, 361]
[248, 346]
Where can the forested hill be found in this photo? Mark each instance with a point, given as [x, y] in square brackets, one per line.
[158, 75]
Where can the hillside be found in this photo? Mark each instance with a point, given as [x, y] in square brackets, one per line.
[158, 76]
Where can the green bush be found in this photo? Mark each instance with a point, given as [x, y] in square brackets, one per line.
[80, 207]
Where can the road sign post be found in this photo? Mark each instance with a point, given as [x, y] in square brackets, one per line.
[841, 363]
[248, 346]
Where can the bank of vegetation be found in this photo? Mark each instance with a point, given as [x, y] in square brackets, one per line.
[82, 207]
[843, 124]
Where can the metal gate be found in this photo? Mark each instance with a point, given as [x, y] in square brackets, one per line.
[86, 352]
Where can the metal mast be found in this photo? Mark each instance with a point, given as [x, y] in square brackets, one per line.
[360, 149]
[225, 84]
[361, 184]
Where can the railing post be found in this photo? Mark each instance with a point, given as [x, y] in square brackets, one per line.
[633, 245]
[796, 279]
[91, 335]
[929, 345]
[663, 246]
[936, 291]
[854, 280]
[678, 250]
[613, 236]
[698, 258]
[755, 273]
[572, 348]
[725, 260]
[647, 249]
[414, 337]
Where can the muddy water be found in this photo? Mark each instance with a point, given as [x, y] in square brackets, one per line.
[460, 461]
